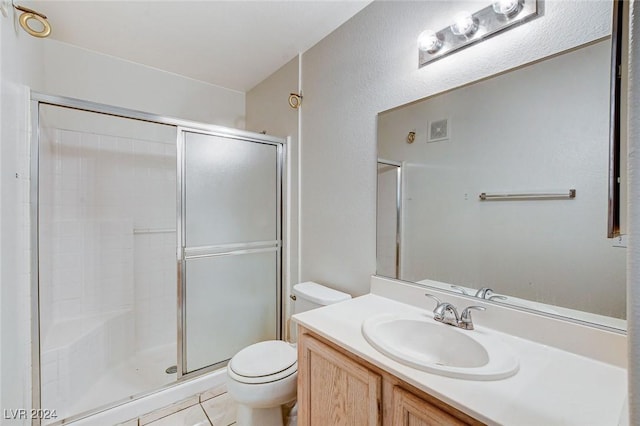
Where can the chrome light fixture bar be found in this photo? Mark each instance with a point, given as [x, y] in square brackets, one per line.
[468, 28]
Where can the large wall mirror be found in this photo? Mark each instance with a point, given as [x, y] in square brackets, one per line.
[536, 132]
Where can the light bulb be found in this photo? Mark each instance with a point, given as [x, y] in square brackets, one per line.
[464, 24]
[429, 42]
[508, 8]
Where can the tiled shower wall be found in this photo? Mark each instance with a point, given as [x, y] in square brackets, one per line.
[107, 245]
[155, 287]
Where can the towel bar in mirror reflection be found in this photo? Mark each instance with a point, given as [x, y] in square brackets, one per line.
[569, 195]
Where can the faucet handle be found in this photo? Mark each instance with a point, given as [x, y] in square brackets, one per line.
[484, 293]
[460, 289]
[465, 318]
[497, 297]
[438, 301]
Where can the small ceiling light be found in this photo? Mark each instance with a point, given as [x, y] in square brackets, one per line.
[464, 24]
[429, 42]
[508, 8]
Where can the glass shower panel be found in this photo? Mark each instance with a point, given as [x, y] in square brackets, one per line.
[106, 245]
[230, 190]
[231, 246]
[231, 303]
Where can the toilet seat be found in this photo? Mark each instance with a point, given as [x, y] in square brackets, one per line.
[263, 379]
[263, 362]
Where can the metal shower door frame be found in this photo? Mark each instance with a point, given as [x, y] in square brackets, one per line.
[37, 99]
[398, 243]
[229, 249]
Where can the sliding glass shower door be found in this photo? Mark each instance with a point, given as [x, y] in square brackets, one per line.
[230, 245]
[108, 186]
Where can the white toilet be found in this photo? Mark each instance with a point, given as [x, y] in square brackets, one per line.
[262, 377]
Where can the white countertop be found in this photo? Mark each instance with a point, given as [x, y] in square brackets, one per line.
[552, 386]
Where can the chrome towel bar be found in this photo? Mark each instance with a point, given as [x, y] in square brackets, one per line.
[529, 196]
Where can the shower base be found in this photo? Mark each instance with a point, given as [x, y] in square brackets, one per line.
[142, 372]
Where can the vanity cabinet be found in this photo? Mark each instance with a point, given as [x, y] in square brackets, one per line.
[336, 388]
[411, 410]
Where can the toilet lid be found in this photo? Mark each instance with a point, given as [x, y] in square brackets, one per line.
[263, 359]
[293, 370]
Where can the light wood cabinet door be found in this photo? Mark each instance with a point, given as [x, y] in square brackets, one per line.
[410, 410]
[335, 390]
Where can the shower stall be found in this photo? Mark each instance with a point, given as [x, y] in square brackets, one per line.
[157, 251]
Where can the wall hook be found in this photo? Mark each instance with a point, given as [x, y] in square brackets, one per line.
[295, 100]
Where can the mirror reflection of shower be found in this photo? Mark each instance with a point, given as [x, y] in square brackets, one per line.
[389, 222]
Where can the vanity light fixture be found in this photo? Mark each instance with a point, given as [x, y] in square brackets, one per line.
[468, 28]
[507, 9]
[464, 25]
[428, 41]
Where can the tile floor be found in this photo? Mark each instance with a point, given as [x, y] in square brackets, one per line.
[212, 408]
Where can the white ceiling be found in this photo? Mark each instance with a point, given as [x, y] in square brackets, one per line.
[234, 44]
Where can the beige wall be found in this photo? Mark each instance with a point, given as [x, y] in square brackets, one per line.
[268, 111]
[633, 255]
[369, 65]
[84, 74]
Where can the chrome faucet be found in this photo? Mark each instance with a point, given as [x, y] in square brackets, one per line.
[461, 290]
[488, 294]
[482, 293]
[465, 319]
[446, 313]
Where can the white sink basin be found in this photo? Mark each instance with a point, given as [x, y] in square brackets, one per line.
[420, 342]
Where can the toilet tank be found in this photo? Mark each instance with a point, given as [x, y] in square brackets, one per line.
[310, 295]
